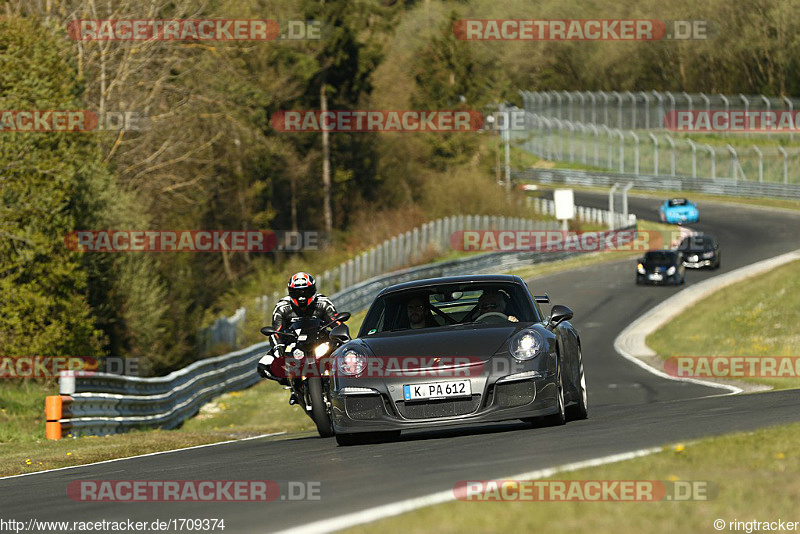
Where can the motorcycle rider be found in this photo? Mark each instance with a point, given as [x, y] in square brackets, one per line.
[303, 300]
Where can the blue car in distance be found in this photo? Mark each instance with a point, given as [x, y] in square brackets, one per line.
[678, 211]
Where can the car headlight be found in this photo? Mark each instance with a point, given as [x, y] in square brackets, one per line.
[298, 354]
[640, 268]
[527, 345]
[321, 350]
[352, 363]
[707, 255]
[671, 271]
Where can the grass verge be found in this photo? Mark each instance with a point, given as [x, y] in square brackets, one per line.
[755, 472]
[756, 317]
[261, 409]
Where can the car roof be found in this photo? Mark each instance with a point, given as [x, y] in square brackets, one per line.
[430, 282]
[661, 253]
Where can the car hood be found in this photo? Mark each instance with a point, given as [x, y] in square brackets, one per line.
[657, 266]
[471, 341]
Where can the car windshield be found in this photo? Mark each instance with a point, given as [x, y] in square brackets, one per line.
[659, 258]
[678, 202]
[696, 243]
[449, 304]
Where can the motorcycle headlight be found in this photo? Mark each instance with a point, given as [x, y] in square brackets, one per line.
[321, 350]
[707, 255]
[352, 363]
[298, 354]
[671, 271]
[640, 268]
[527, 345]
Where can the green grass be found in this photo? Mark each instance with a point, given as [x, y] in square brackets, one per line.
[755, 472]
[22, 409]
[756, 317]
[261, 409]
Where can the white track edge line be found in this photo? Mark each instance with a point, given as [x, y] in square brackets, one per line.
[393, 509]
[142, 456]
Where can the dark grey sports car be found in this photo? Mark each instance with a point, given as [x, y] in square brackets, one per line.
[456, 351]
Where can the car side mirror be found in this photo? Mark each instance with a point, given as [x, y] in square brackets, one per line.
[340, 334]
[268, 331]
[558, 314]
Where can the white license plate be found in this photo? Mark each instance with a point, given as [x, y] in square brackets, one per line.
[655, 277]
[437, 390]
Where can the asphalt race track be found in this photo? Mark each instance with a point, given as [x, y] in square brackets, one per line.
[629, 409]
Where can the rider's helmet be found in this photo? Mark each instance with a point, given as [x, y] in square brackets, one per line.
[302, 292]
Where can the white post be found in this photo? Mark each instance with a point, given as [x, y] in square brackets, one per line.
[655, 153]
[635, 153]
[785, 164]
[694, 157]
[713, 154]
[760, 164]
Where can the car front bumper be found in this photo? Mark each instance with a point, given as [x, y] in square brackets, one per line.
[665, 280]
[698, 264]
[498, 401]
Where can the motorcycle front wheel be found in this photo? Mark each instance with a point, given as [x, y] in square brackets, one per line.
[319, 408]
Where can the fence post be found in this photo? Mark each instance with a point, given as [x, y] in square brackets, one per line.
[694, 157]
[760, 164]
[672, 162]
[785, 164]
[655, 153]
[635, 153]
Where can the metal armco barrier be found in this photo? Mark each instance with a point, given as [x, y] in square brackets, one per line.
[676, 183]
[102, 404]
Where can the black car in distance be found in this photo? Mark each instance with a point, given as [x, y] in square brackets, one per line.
[700, 250]
[661, 267]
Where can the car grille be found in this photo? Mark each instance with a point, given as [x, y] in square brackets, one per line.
[439, 408]
[364, 406]
[514, 394]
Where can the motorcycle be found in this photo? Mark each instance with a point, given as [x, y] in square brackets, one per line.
[308, 346]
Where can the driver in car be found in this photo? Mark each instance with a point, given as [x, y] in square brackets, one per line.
[418, 314]
[492, 301]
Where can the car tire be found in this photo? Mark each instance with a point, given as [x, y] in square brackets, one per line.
[580, 409]
[361, 438]
[560, 417]
[319, 411]
[346, 440]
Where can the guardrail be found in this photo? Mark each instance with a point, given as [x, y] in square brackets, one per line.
[101, 404]
[569, 177]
